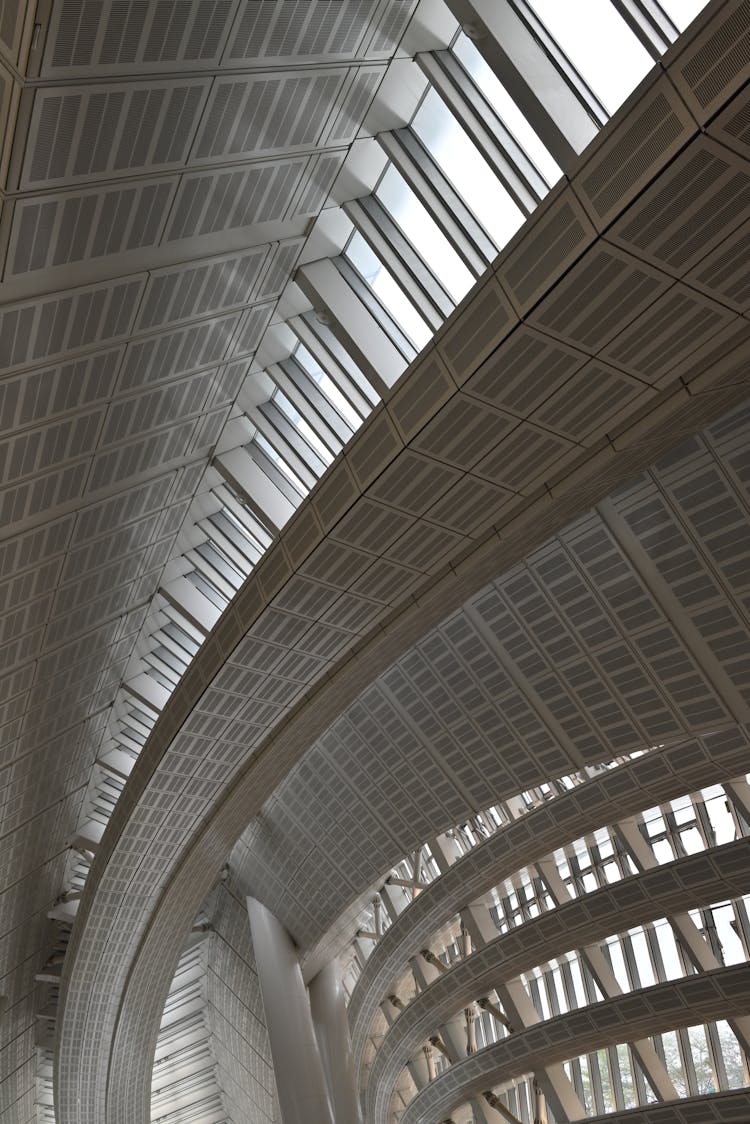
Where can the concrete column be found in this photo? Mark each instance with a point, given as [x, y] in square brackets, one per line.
[298, 1068]
[328, 1006]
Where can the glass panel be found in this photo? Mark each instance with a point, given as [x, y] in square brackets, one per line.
[424, 233]
[467, 169]
[600, 45]
[307, 360]
[506, 108]
[392, 296]
[272, 455]
[682, 12]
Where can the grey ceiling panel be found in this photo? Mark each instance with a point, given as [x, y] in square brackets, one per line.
[229, 200]
[187, 291]
[258, 115]
[40, 330]
[58, 230]
[111, 130]
[90, 37]
[41, 394]
[284, 30]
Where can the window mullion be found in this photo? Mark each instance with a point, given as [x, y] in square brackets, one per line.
[291, 444]
[439, 198]
[302, 389]
[649, 23]
[555, 107]
[401, 258]
[377, 309]
[504, 155]
[352, 320]
[336, 361]
[275, 474]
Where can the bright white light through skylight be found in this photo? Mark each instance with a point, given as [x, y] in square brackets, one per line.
[682, 12]
[506, 108]
[600, 45]
[391, 294]
[424, 233]
[467, 170]
[307, 360]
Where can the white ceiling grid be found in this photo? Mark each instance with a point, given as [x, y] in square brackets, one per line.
[219, 732]
[133, 299]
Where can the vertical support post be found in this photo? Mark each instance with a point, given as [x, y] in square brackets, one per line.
[328, 1006]
[296, 1059]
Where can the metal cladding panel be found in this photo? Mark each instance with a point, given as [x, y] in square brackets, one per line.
[101, 131]
[108, 37]
[286, 30]
[275, 111]
[36, 331]
[57, 230]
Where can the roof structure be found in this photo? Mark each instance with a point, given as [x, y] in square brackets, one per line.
[375, 542]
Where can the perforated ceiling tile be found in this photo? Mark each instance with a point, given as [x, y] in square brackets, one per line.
[487, 319]
[724, 272]
[464, 431]
[714, 64]
[113, 37]
[558, 235]
[35, 331]
[591, 402]
[524, 371]
[257, 115]
[471, 505]
[40, 395]
[626, 158]
[352, 105]
[412, 483]
[677, 323]
[58, 230]
[209, 202]
[598, 297]
[685, 214]
[527, 454]
[186, 291]
[286, 30]
[111, 130]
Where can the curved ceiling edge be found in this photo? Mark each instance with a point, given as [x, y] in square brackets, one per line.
[194, 771]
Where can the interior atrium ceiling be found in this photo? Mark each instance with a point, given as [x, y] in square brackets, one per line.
[375, 542]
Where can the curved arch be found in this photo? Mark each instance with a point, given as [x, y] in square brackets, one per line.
[686, 883]
[647, 780]
[702, 998]
[718, 1108]
[194, 789]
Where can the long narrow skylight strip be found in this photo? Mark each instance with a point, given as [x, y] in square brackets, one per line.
[506, 108]
[423, 232]
[460, 160]
[600, 45]
[389, 292]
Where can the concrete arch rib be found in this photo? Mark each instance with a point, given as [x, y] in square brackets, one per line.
[206, 769]
[689, 882]
[703, 998]
[647, 780]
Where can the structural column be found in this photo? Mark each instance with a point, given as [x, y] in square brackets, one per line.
[328, 1005]
[297, 1064]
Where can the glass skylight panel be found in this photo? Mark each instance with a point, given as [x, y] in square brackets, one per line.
[600, 45]
[304, 427]
[309, 363]
[390, 293]
[266, 447]
[506, 108]
[466, 168]
[682, 12]
[424, 233]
